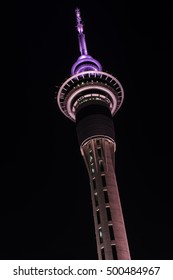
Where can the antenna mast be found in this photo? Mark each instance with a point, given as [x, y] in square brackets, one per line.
[81, 35]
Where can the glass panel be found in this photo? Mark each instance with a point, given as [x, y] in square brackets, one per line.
[96, 199]
[106, 197]
[94, 183]
[98, 216]
[101, 166]
[91, 155]
[103, 181]
[92, 167]
[114, 252]
[92, 170]
[103, 253]
[111, 232]
[101, 235]
[108, 212]
[99, 152]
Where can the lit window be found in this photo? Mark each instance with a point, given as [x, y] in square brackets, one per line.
[96, 198]
[91, 158]
[101, 166]
[91, 155]
[101, 235]
[92, 167]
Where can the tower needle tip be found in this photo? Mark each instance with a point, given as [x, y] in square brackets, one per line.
[79, 21]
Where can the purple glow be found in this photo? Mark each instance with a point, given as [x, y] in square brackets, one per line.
[78, 19]
[85, 62]
[81, 35]
[88, 82]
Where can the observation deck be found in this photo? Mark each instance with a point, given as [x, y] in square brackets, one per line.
[88, 87]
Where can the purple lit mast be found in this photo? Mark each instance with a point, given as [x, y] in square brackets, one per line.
[85, 62]
[81, 36]
[90, 98]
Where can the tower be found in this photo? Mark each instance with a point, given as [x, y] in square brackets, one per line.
[90, 98]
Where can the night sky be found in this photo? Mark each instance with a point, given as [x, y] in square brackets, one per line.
[46, 210]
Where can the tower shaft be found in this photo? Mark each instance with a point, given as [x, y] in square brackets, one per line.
[98, 154]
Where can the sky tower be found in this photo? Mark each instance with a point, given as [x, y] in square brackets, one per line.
[90, 98]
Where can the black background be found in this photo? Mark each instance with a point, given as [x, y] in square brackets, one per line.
[46, 210]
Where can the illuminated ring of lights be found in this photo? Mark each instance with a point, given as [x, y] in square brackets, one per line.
[92, 96]
[107, 138]
[65, 89]
[73, 95]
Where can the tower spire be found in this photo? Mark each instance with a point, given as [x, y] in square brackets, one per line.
[81, 35]
[85, 62]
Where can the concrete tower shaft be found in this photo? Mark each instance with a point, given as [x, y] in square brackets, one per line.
[109, 224]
